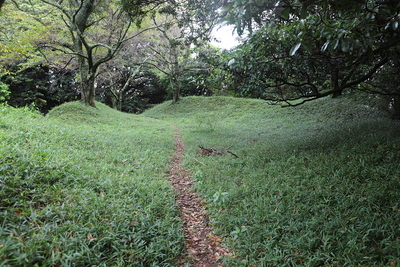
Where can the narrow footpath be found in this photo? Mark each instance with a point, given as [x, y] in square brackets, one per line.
[203, 246]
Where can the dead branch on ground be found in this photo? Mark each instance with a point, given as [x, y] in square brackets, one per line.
[212, 151]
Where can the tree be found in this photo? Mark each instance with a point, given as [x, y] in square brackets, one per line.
[207, 75]
[312, 49]
[18, 36]
[180, 25]
[98, 30]
[169, 53]
[88, 32]
[117, 87]
[85, 34]
[126, 82]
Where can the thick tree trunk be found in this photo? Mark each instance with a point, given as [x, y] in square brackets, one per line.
[86, 67]
[176, 90]
[114, 102]
[88, 75]
[88, 92]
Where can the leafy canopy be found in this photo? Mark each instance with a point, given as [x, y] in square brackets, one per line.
[312, 49]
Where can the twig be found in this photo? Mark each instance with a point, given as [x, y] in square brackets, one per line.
[236, 156]
[199, 161]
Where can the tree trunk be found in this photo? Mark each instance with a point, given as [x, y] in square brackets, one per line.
[114, 101]
[175, 76]
[335, 83]
[86, 67]
[88, 91]
[176, 89]
[120, 95]
[87, 77]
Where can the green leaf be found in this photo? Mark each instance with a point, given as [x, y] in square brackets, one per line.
[345, 45]
[285, 13]
[294, 49]
[308, 47]
[303, 12]
[325, 46]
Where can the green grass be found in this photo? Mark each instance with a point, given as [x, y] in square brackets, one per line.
[86, 187]
[315, 185]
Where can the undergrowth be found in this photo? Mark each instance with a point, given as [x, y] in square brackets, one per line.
[315, 185]
[86, 187]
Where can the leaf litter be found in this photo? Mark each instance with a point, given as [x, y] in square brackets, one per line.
[204, 247]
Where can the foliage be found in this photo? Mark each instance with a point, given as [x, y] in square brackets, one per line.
[85, 33]
[169, 53]
[86, 187]
[18, 39]
[308, 50]
[40, 86]
[314, 185]
[142, 92]
[28, 87]
[180, 25]
[4, 93]
[196, 17]
[101, 45]
[207, 74]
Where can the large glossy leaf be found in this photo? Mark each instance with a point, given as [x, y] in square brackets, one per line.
[294, 49]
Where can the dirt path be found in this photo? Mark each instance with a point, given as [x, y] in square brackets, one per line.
[203, 246]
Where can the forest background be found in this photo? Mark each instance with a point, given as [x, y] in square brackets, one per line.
[133, 54]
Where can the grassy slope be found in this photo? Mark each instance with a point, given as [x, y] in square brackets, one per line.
[316, 185]
[86, 187]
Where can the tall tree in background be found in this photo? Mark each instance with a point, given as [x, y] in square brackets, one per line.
[97, 30]
[169, 53]
[89, 33]
[180, 26]
[82, 34]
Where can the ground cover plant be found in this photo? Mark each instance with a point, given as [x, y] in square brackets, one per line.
[86, 187]
[315, 185]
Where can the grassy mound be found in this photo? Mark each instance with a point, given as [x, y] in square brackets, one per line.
[86, 187]
[314, 185]
[78, 112]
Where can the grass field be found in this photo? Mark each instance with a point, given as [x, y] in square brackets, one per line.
[86, 187]
[315, 185]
